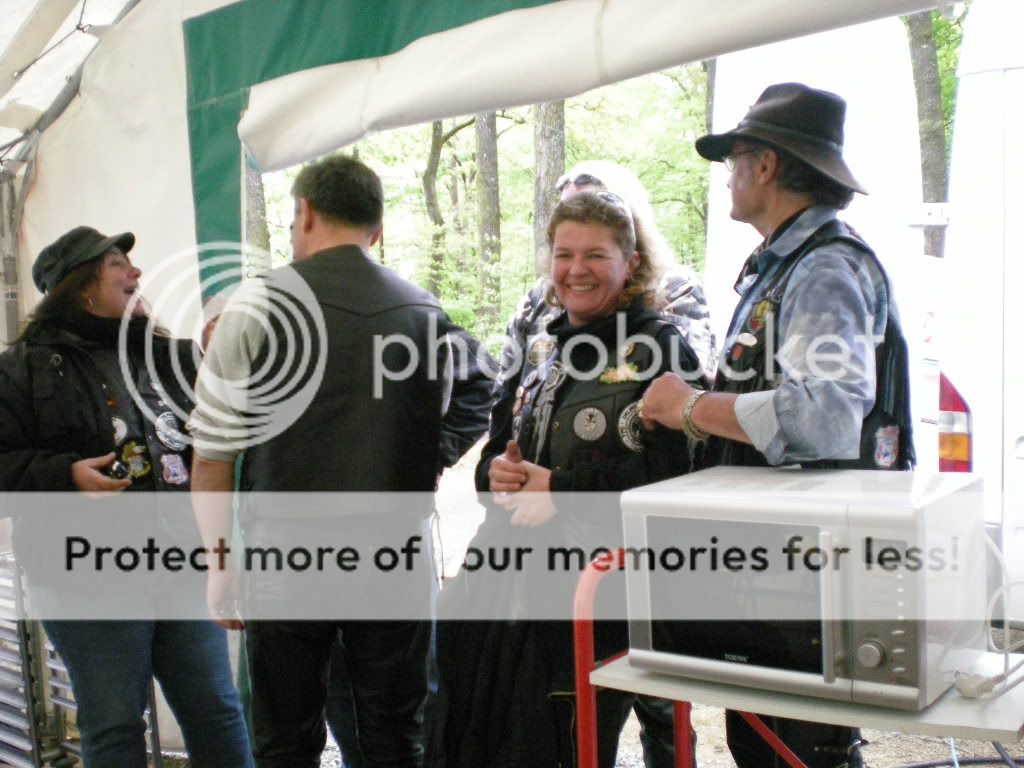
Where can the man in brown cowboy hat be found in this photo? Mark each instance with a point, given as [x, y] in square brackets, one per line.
[814, 370]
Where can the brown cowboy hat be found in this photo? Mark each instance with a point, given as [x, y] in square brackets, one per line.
[793, 117]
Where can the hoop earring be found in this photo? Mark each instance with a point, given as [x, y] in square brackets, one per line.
[91, 305]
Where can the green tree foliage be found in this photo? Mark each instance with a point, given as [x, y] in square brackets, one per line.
[948, 34]
[647, 124]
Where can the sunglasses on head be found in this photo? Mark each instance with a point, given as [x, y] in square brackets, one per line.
[613, 199]
[579, 180]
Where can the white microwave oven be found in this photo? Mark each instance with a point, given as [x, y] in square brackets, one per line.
[863, 586]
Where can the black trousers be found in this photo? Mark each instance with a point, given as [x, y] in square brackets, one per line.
[288, 666]
[817, 744]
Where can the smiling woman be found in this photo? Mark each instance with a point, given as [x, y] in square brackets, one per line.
[565, 422]
[592, 262]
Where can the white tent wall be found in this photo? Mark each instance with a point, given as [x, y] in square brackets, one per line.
[118, 158]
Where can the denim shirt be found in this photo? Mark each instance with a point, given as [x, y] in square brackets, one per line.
[831, 318]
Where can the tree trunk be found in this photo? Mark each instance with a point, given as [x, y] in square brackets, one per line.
[489, 207]
[931, 124]
[257, 233]
[549, 164]
[461, 199]
[709, 66]
[436, 269]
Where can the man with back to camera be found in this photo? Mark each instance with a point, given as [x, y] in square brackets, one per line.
[346, 439]
[813, 292]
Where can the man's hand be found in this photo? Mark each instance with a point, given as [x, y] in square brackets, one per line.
[223, 597]
[87, 475]
[507, 473]
[664, 400]
[212, 484]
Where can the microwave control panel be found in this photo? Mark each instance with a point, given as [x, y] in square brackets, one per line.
[884, 641]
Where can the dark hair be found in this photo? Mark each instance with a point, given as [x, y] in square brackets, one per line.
[64, 302]
[797, 176]
[600, 207]
[342, 190]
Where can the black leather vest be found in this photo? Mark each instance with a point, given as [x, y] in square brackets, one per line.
[348, 439]
[886, 440]
[562, 420]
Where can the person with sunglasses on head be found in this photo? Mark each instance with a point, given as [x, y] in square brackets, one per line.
[90, 397]
[682, 303]
[681, 291]
[565, 440]
[837, 393]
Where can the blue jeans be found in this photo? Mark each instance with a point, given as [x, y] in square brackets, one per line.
[111, 663]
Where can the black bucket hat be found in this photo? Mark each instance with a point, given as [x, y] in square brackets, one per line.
[793, 117]
[73, 249]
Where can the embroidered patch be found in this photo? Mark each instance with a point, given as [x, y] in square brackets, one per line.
[629, 427]
[136, 457]
[757, 317]
[175, 471]
[887, 447]
[589, 424]
[167, 432]
[627, 372]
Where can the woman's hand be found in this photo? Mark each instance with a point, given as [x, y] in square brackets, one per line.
[507, 473]
[532, 504]
[87, 475]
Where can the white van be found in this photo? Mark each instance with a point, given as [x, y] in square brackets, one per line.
[981, 328]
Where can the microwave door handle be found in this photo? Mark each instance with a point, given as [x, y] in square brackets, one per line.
[828, 650]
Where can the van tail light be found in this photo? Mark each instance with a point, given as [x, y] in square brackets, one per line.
[955, 433]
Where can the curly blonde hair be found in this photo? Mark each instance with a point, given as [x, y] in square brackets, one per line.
[609, 210]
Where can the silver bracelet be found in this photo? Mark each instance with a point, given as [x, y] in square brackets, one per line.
[690, 429]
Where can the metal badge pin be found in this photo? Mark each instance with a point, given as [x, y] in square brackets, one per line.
[556, 375]
[590, 424]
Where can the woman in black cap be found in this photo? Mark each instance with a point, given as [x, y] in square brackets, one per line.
[89, 402]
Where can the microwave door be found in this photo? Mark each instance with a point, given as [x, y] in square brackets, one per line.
[764, 614]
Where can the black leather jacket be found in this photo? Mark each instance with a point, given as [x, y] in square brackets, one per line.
[53, 411]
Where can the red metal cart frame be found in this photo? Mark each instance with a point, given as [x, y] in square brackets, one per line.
[586, 693]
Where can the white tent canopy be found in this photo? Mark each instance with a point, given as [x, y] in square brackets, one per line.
[153, 141]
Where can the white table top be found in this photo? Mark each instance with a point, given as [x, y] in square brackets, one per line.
[999, 719]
